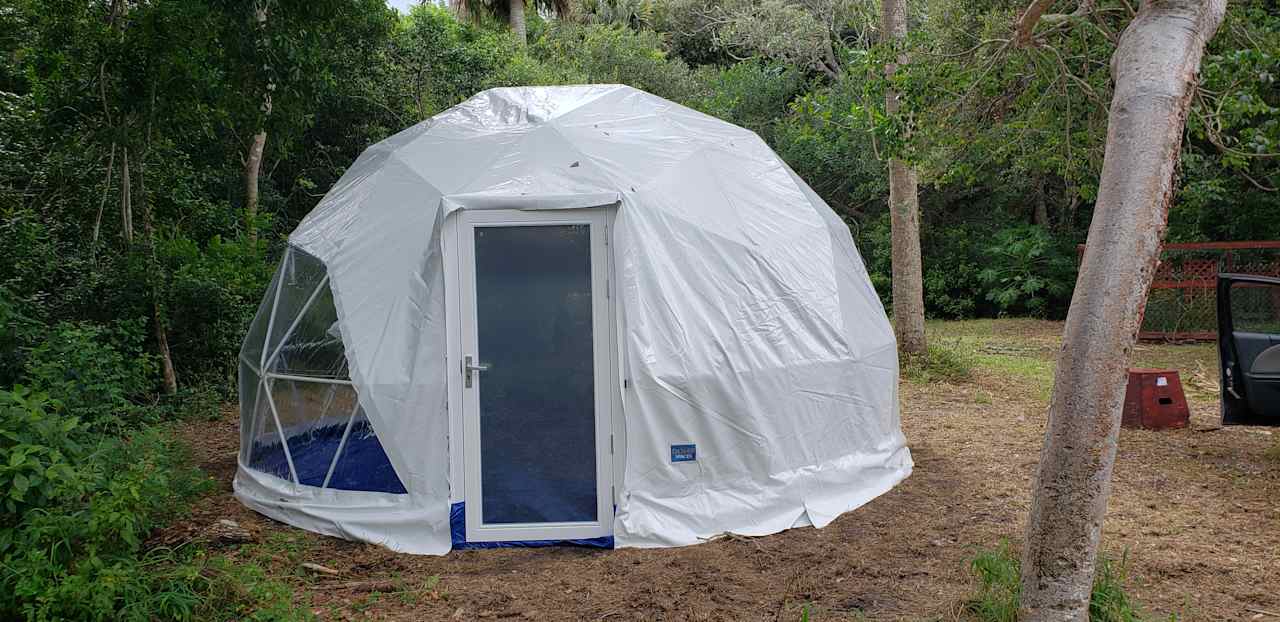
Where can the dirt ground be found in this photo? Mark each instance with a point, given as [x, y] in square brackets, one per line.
[1195, 513]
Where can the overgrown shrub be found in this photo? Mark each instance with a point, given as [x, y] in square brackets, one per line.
[1027, 272]
[999, 589]
[77, 508]
[752, 94]
[17, 331]
[95, 373]
[213, 293]
[612, 54]
[39, 454]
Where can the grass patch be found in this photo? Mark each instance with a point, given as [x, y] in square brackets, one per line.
[947, 362]
[999, 589]
[1273, 454]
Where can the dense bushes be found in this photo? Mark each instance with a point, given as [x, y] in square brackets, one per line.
[87, 471]
[96, 373]
[77, 509]
[212, 293]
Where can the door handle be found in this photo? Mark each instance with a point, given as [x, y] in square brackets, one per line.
[468, 369]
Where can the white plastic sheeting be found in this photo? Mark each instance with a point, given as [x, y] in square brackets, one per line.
[749, 325]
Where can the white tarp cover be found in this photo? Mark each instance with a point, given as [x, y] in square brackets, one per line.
[750, 326]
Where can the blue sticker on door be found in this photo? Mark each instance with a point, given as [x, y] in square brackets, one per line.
[684, 453]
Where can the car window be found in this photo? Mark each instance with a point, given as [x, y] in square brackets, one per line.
[1255, 307]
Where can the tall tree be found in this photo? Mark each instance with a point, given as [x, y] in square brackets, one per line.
[509, 11]
[253, 160]
[1155, 68]
[904, 206]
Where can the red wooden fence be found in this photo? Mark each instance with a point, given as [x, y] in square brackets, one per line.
[1182, 304]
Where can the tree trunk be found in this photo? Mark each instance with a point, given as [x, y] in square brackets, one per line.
[252, 165]
[126, 199]
[161, 335]
[1154, 68]
[253, 162]
[904, 211]
[1040, 217]
[517, 20]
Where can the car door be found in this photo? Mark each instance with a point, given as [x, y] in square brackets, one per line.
[1249, 349]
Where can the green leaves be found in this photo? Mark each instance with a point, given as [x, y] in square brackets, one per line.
[1026, 271]
[37, 452]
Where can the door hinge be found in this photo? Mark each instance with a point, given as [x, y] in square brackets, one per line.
[1231, 385]
[606, 235]
[610, 444]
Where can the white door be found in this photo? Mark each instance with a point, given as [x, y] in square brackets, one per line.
[536, 374]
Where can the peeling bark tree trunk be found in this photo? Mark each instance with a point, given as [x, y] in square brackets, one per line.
[517, 20]
[252, 166]
[253, 162]
[169, 373]
[1154, 68]
[904, 211]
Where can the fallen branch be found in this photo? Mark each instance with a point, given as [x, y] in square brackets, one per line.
[318, 568]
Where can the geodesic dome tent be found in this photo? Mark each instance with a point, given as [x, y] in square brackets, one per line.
[568, 314]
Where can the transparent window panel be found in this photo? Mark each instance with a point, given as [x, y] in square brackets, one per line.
[250, 382]
[300, 277]
[266, 452]
[537, 406]
[312, 416]
[256, 337]
[296, 333]
[363, 464]
[314, 347]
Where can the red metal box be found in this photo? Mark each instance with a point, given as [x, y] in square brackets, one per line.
[1154, 400]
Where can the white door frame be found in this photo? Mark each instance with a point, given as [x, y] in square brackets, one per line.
[459, 253]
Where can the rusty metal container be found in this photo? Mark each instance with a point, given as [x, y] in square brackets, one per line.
[1154, 400]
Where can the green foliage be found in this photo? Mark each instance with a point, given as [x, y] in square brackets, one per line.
[39, 451]
[95, 373]
[999, 589]
[1026, 271]
[752, 93]
[16, 332]
[609, 54]
[76, 508]
[213, 293]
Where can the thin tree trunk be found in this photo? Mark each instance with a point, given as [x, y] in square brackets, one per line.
[517, 20]
[102, 204]
[161, 335]
[253, 162]
[252, 166]
[126, 198]
[904, 211]
[1154, 68]
[1040, 217]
